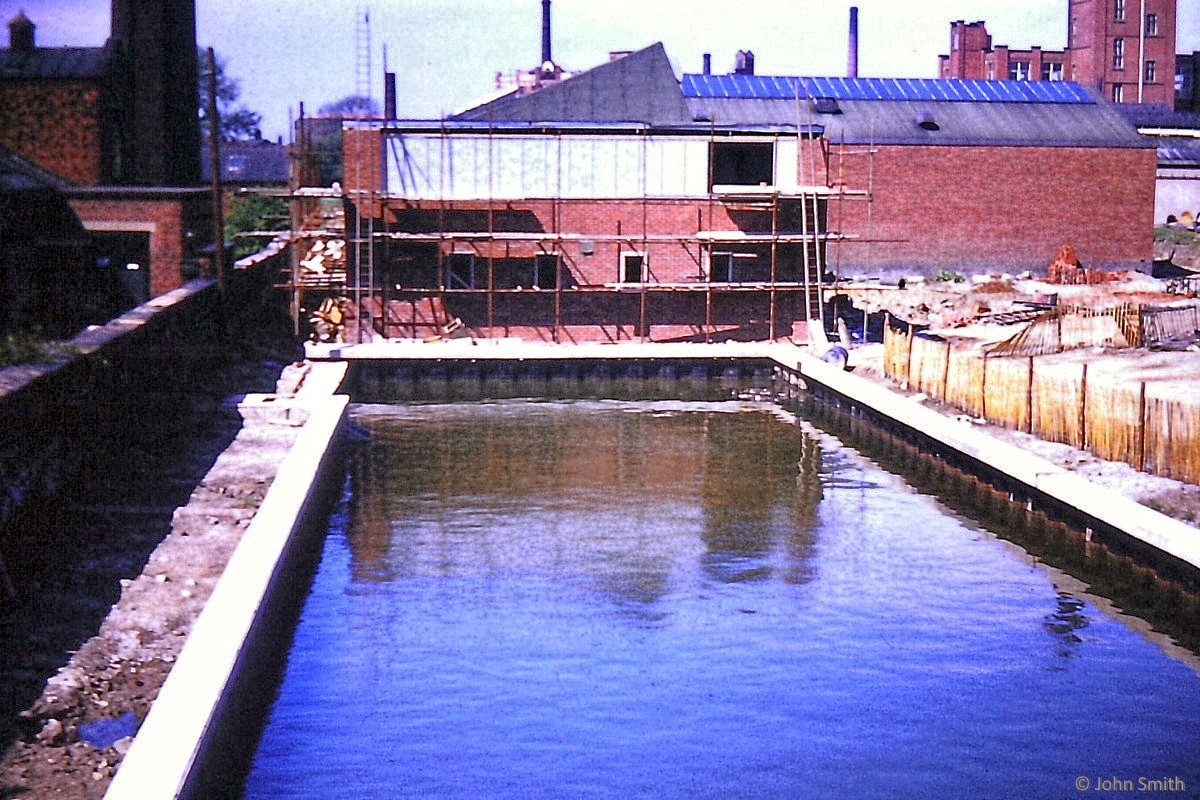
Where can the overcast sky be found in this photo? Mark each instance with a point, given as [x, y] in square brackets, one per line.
[446, 52]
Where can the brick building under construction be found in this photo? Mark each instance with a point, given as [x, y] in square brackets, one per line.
[624, 202]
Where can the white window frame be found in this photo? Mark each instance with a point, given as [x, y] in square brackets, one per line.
[1118, 53]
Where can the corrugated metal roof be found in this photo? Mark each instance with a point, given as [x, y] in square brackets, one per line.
[1177, 151]
[779, 87]
[53, 62]
[946, 123]
[641, 87]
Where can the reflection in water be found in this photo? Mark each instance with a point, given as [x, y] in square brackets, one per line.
[423, 484]
[1064, 624]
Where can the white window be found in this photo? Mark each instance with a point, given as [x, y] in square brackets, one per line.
[1152, 24]
[1118, 93]
[1018, 70]
[633, 267]
[1118, 54]
[1119, 10]
[1151, 72]
[1052, 71]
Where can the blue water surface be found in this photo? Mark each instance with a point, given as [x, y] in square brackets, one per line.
[667, 600]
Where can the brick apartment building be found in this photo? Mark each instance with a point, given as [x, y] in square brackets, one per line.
[1123, 48]
[118, 123]
[625, 203]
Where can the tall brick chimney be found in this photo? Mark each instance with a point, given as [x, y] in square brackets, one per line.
[20, 33]
[158, 44]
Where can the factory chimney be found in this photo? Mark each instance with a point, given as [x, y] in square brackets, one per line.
[389, 95]
[20, 34]
[708, 63]
[546, 59]
[852, 58]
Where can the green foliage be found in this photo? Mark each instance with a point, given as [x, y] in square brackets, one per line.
[237, 121]
[252, 212]
[352, 106]
[1175, 235]
[949, 277]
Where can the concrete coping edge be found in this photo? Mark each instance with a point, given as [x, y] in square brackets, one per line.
[161, 758]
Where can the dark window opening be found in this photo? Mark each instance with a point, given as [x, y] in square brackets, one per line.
[742, 163]
[545, 270]
[126, 254]
[461, 272]
[633, 267]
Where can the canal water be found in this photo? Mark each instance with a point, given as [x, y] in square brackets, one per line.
[594, 599]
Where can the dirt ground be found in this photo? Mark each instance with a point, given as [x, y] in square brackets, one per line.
[963, 312]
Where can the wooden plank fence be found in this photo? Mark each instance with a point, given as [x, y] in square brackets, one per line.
[1155, 432]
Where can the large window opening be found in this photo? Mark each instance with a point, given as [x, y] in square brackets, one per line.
[742, 163]
[1018, 70]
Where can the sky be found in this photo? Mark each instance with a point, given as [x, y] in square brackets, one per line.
[446, 53]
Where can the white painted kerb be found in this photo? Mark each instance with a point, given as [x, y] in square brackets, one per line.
[161, 758]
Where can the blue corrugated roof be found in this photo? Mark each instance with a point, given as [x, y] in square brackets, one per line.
[777, 87]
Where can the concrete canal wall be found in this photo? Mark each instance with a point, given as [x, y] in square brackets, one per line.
[178, 739]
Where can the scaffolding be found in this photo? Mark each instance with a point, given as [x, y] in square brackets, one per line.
[375, 291]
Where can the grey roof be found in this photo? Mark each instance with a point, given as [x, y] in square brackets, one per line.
[19, 173]
[1177, 151]
[640, 87]
[1159, 115]
[53, 62]
[957, 123]
[249, 162]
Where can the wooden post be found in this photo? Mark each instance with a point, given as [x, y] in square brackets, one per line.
[1141, 430]
[908, 359]
[983, 389]
[946, 375]
[1083, 408]
[1029, 398]
[214, 161]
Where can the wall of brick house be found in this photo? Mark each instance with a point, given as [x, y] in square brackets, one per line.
[986, 209]
[71, 146]
[362, 161]
[171, 219]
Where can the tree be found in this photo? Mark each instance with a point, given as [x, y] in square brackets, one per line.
[253, 213]
[354, 106]
[236, 121]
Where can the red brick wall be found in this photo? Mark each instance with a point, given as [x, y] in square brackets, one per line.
[170, 218]
[55, 124]
[984, 209]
